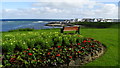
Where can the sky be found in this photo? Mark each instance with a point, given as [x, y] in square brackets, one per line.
[62, 9]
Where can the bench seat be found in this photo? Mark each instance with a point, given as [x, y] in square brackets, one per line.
[73, 28]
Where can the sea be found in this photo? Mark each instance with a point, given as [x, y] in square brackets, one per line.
[12, 24]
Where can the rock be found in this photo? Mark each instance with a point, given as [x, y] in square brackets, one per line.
[72, 63]
[90, 58]
[101, 52]
[64, 65]
[87, 57]
[78, 61]
[97, 54]
[93, 56]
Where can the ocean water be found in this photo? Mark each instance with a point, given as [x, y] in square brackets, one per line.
[11, 25]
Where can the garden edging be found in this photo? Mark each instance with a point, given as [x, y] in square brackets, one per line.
[89, 58]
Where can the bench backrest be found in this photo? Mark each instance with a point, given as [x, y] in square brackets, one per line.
[74, 28]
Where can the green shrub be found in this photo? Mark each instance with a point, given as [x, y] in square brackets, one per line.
[52, 54]
[97, 24]
[8, 46]
[34, 48]
[22, 29]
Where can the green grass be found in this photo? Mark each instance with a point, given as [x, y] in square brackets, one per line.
[108, 36]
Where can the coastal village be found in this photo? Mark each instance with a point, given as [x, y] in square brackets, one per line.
[91, 20]
[69, 21]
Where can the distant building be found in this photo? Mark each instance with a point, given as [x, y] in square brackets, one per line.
[95, 20]
[73, 20]
[90, 20]
[87, 20]
[108, 20]
[78, 20]
[115, 20]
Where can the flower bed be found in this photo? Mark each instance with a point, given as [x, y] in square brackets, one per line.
[47, 49]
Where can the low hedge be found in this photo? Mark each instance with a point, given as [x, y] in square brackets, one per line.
[21, 41]
[22, 29]
[97, 24]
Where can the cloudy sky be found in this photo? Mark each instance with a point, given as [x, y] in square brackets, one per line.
[62, 9]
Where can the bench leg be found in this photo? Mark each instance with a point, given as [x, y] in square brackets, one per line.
[61, 30]
[78, 32]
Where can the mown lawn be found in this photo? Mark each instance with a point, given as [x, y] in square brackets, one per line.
[108, 36]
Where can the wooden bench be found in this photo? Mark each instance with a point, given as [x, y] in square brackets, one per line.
[72, 28]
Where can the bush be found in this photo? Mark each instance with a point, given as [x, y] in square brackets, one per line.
[45, 49]
[97, 24]
[22, 29]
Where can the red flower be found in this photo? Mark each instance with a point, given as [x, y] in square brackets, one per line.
[70, 56]
[92, 46]
[28, 49]
[78, 43]
[58, 46]
[90, 38]
[84, 41]
[12, 59]
[24, 51]
[34, 60]
[78, 35]
[48, 53]
[98, 42]
[89, 41]
[52, 48]
[40, 60]
[29, 53]
[83, 47]
[79, 51]
[58, 55]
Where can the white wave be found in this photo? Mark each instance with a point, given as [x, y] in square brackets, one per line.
[39, 22]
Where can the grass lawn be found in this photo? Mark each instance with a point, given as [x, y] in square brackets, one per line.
[108, 36]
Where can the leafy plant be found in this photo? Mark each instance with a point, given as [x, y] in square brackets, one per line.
[45, 49]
